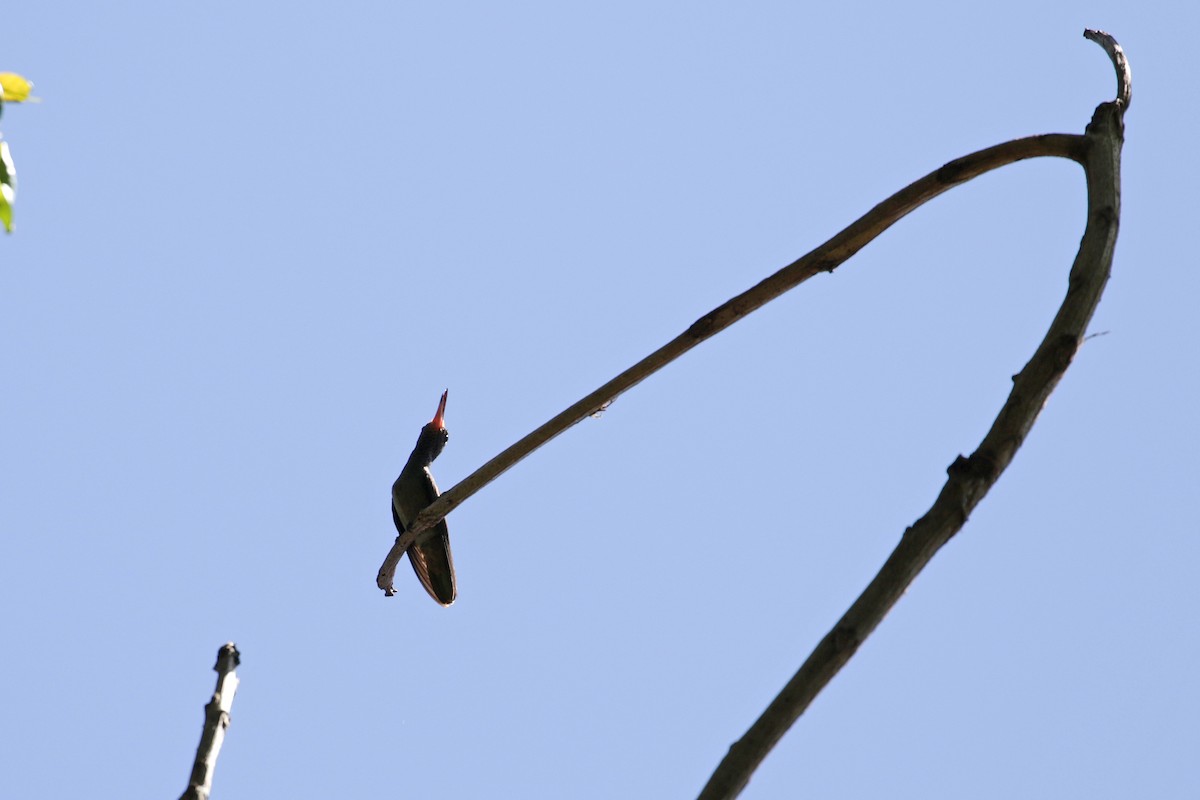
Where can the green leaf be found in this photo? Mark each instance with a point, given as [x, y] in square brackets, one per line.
[8, 187]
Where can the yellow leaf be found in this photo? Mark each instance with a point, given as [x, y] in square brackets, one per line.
[14, 88]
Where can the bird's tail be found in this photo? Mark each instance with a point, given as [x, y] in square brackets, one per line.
[431, 560]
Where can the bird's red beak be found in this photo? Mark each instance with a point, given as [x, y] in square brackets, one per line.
[439, 418]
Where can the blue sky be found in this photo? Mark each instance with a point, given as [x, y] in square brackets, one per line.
[256, 241]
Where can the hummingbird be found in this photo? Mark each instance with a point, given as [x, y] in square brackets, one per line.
[412, 491]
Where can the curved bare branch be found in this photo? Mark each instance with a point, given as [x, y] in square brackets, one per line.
[1120, 64]
[969, 478]
[825, 258]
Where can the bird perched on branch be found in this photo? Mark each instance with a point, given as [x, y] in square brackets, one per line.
[413, 491]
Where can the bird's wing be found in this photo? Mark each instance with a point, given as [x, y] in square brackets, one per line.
[430, 554]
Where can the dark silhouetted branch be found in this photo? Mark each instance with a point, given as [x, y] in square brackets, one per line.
[825, 258]
[969, 478]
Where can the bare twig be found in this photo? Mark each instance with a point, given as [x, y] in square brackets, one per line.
[216, 720]
[1120, 64]
[825, 258]
[969, 478]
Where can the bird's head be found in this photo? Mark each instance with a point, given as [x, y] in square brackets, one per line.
[434, 434]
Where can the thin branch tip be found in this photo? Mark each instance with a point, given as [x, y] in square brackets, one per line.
[230, 654]
[1120, 64]
[216, 722]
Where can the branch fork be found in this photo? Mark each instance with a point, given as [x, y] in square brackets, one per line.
[969, 478]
